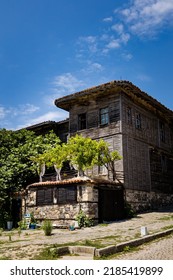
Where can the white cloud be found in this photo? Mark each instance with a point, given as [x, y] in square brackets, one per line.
[147, 17]
[62, 85]
[66, 83]
[119, 28]
[127, 56]
[2, 112]
[108, 19]
[92, 67]
[23, 109]
[57, 115]
[114, 44]
[91, 42]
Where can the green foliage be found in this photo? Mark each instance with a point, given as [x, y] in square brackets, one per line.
[47, 254]
[17, 170]
[108, 158]
[83, 220]
[22, 224]
[129, 212]
[33, 220]
[82, 152]
[47, 227]
[1, 231]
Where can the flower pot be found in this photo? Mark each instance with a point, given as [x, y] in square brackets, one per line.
[32, 226]
[9, 225]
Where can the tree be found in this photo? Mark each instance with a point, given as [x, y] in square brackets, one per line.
[82, 152]
[17, 170]
[108, 158]
[55, 156]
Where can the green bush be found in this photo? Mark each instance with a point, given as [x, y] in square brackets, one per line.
[47, 227]
[129, 212]
[22, 224]
[83, 220]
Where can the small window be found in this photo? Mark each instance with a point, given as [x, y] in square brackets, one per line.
[162, 131]
[129, 115]
[44, 196]
[138, 121]
[104, 116]
[66, 194]
[82, 121]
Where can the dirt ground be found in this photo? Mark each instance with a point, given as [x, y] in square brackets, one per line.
[29, 243]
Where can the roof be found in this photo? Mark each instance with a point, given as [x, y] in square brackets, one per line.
[114, 86]
[75, 180]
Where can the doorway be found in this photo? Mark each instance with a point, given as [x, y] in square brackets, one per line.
[111, 204]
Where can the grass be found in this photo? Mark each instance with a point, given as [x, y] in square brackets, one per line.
[47, 254]
[166, 218]
[167, 227]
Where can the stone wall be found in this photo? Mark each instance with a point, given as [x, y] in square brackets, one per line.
[141, 201]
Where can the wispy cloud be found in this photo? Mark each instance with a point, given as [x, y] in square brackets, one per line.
[2, 112]
[8, 115]
[147, 17]
[23, 109]
[134, 18]
[56, 115]
[108, 19]
[62, 85]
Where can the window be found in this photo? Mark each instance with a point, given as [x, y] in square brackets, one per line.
[82, 121]
[104, 116]
[44, 196]
[66, 194]
[162, 131]
[129, 115]
[138, 121]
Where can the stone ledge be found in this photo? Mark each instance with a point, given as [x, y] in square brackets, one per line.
[87, 250]
[136, 242]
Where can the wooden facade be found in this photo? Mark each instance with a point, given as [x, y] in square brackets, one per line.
[136, 125]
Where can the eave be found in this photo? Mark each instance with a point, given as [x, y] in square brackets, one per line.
[120, 87]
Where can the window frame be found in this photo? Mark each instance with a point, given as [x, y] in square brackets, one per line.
[138, 121]
[44, 198]
[104, 116]
[82, 121]
[66, 195]
[162, 132]
[129, 115]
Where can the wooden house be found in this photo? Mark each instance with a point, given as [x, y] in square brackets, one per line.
[136, 125]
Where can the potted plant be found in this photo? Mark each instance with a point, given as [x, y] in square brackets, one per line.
[9, 222]
[32, 224]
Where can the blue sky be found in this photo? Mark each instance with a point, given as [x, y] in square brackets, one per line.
[51, 48]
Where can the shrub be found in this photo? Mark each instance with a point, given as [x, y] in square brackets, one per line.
[129, 212]
[47, 227]
[83, 220]
[22, 224]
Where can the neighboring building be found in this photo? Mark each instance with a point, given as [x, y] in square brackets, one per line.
[59, 128]
[139, 128]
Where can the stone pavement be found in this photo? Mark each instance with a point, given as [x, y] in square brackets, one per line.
[107, 234]
[161, 249]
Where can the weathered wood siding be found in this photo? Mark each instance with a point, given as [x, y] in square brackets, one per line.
[92, 108]
[111, 133]
[137, 143]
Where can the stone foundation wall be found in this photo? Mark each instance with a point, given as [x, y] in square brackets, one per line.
[142, 201]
